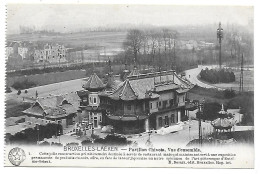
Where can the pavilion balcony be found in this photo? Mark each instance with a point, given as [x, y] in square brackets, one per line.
[166, 107]
[127, 113]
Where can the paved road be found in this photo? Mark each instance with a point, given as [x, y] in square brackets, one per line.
[192, 74]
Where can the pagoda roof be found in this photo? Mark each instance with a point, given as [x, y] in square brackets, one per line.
[94, 82]
[124, 92]
[148, 85]
[223, 123]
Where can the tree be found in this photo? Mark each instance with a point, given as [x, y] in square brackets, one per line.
[153, 40]
[133, 42]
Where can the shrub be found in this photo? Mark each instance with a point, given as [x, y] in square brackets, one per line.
[229, 93]
[217, 76]
[23, 85]
[18, 92]
[30, 136]
[246, 102]
[56, 144]
[94, 136]
[45, 143]
[8, 89]
[72, 144]
[210, 111]
[112, 140]
[86, 142]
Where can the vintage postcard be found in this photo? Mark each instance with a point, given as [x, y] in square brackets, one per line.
[103, 85]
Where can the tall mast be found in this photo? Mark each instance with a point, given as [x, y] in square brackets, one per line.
[241, 84]
[220, 37]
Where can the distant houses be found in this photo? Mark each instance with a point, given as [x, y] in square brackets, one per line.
[24, 49]
[52, 53]
[19, 52]
[193, 44]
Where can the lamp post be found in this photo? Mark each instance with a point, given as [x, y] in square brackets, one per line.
[200, 114]
[138, 123]
[92, 128]
[59, 134]
[220, 37]
[38, 136]
[148, 142]
[149, 133]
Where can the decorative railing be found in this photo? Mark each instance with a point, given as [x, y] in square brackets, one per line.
[121, 112]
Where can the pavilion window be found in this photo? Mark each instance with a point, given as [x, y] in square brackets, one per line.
[172, 118]
[171, 102]
[151, 105]
[95, 100]
[160, 121]
[129, 107]
[166, 121]
[164, 104]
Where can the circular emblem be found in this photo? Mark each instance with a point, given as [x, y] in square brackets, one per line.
[16, 156]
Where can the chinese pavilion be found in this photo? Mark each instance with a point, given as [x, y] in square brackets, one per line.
[146, 101]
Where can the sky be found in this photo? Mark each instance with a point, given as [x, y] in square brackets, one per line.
[67, 18]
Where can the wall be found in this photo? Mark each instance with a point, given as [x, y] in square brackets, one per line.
[181, 99]
[169, 114]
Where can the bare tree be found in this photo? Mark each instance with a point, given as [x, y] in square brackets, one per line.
[133, 42]
[152, 43]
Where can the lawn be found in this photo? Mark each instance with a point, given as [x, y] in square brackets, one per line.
[108, 39]
[248, 82]
[210, 95]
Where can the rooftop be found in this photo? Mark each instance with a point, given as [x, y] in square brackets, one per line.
[55, 106]
[93, 83]
[148, 85]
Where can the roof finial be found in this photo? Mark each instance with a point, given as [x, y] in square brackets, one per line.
[109, 64]
[135, 66]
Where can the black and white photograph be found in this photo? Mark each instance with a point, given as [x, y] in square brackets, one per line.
[129, 85]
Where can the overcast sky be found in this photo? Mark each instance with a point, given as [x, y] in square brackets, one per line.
[66, 18]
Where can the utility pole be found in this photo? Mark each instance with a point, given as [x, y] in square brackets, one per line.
[241, 84]
[220, 37]
[200, 114]
[38, 133]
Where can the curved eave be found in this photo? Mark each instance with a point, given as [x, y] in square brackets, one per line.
[190, 107]
[93, 89]
[122, 98]
[91, 108]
